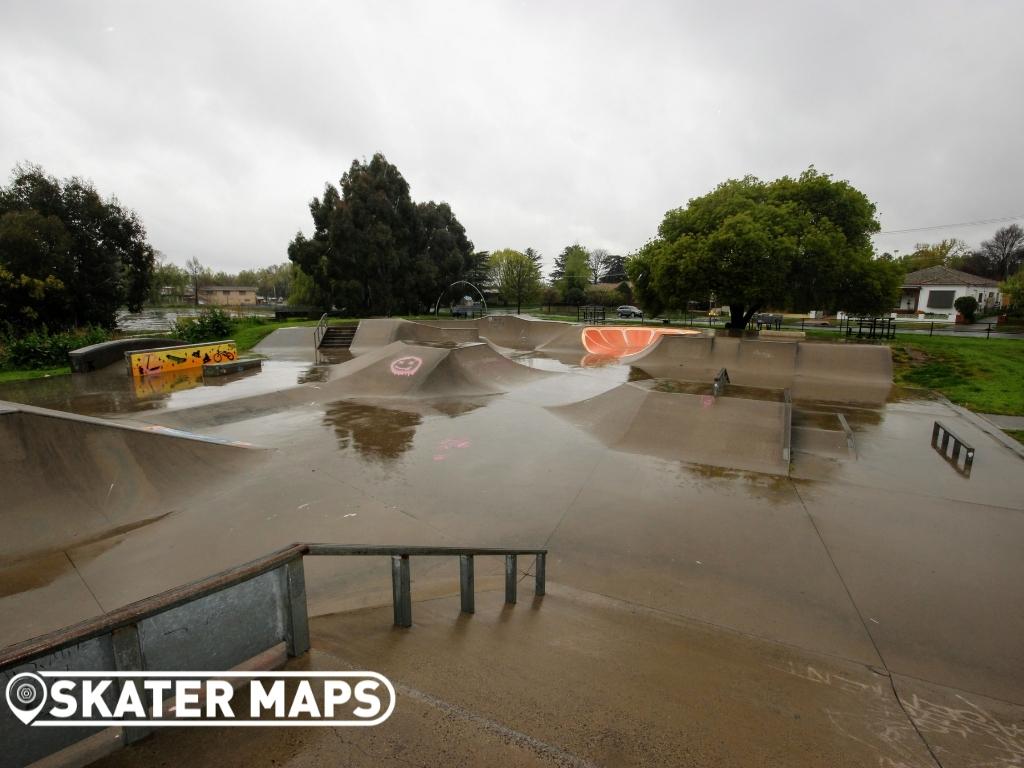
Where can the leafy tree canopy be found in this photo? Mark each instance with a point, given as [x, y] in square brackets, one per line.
[67, 256]
[374, 251]
[572, 274]
[515, 275]
[798, 243]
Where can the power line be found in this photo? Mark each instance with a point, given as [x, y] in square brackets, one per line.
[949, 226]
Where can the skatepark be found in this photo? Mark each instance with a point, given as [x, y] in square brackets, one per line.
[755, 555]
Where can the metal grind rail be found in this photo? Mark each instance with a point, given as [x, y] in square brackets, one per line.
[942, 438]
[235, 617]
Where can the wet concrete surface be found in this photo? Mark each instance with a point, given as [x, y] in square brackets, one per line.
[882, 558]
[112, 391]
[576, 679]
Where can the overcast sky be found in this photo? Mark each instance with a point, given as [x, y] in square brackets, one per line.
[542, 124]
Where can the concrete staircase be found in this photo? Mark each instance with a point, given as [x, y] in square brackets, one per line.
[338, 337]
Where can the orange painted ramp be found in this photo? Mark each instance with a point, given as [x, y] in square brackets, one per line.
[620, 341]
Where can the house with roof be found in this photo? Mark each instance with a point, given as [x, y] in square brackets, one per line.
[227, 295]
[930, 292]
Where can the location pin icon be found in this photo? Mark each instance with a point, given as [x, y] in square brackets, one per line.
[26, 696]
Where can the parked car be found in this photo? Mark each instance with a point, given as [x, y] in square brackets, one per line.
[627, 310]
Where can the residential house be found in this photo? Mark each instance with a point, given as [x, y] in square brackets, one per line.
[930, 292]
[227, 295]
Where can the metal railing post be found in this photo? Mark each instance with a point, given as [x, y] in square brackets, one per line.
[400, 590]
[510, 579]
[540, 575]
[297, 618]
[466, 583]
[128, 658]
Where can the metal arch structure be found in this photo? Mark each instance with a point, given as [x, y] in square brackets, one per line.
[437, 304]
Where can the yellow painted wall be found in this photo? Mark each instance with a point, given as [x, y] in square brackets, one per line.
[167, 359]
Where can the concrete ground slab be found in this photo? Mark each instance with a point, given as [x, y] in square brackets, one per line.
[577, 680]
[931, 578]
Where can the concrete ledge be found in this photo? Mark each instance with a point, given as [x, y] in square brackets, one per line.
[235, 366]
[784, 335]
[96, 356]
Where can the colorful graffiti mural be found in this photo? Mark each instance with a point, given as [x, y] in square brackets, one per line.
[145, 362]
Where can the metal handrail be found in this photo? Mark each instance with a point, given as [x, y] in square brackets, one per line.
[321, 329]
[135, 612]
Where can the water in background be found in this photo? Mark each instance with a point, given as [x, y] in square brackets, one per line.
[162, 319]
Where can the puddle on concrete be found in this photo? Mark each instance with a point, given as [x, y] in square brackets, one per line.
[376, 433]
[774, 489]
[112, 391]
[816, 419]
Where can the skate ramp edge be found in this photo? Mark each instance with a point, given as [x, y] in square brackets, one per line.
[288, 342]
[97, 356]
[812, 370]
[729, 432]
[407, 370]
[70, 478]
[380, 332]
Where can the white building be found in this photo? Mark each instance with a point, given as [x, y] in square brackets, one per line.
[930, 293]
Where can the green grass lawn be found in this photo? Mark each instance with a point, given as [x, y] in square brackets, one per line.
[985, 375]
[1016, 434]
[33, 373]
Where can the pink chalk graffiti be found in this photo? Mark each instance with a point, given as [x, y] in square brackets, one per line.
[406, 366]
[450, 444]
[707, 401]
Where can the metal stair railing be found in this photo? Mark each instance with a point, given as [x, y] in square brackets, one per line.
[321, 329]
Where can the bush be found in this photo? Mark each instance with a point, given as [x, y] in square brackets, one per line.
[211, 325]
[602, 297]
[966, 306]
[42, 349]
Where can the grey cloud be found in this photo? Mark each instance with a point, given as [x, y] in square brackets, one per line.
[541, 123]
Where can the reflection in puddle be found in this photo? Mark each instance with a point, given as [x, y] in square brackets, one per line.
[316, 373]
[163, 383]
[453, 408]
[379, 434]
[681, 387]
[774, 489]
[112, 391]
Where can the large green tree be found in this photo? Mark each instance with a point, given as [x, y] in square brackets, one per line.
[791, 243]
[68, 257]
[572, 273]
[515, 275]
[373, 250]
